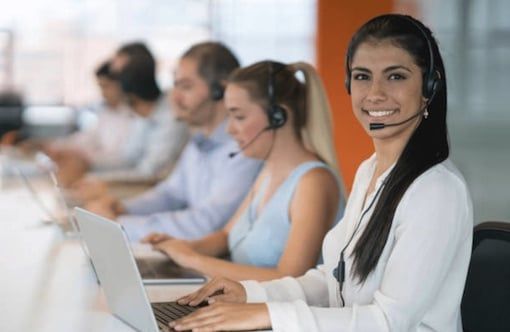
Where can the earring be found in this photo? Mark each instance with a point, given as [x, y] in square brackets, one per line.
[426, 113]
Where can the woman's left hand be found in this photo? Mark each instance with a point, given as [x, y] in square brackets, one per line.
[180, 251]
[155, 238]
[221, 316]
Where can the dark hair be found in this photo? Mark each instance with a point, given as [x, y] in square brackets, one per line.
[215, 61]
[427, 146]
[288, 90]
[104, 71]
[136, 49]
[137, 79]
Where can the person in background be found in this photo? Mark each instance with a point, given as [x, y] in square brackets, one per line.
[206, 186]
[103, 146]
[296, 197]
[160, 137]
[398, 260]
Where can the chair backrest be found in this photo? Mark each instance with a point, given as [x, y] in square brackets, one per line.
[486, 300]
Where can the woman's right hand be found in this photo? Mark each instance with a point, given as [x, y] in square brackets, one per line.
[216, 290]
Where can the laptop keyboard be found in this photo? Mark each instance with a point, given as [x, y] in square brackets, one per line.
[167, 312]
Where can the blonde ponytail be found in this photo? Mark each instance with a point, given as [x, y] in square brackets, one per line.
[312, 115]
[317, 133]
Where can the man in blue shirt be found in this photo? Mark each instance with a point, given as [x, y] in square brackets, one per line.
[206, 186]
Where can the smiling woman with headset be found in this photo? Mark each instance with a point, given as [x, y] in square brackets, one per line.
[398, 259]
[278, 229]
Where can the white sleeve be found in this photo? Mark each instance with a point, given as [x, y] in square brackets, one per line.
[311, 287]
[289, 300]
[433, 224]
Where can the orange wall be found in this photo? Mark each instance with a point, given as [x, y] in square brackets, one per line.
[336, 22]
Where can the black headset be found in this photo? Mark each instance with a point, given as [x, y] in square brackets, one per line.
[276, 114]
[431, 83]
[216, 91]
[432, 77]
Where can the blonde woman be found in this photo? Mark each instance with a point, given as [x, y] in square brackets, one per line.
[278, 229]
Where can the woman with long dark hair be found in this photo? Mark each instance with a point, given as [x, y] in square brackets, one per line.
[398, 259]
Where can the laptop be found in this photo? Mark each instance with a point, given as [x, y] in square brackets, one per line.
[118, 274]
[154, 267]
[65, 220]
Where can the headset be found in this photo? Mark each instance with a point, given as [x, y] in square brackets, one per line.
[276, 114]
[431, 84]
[339, 271]
[431, 78]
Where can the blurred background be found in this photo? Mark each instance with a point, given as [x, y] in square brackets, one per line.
[49, 50]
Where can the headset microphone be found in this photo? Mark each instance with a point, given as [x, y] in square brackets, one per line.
[376, 126]
[276, 114]
[432, 80]
[233, 154]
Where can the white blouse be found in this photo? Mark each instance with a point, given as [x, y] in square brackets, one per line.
[419, 279]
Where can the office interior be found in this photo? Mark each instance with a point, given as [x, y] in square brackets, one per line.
[49, 50]
[63, 42]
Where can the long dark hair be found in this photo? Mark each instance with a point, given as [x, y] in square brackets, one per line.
[427, 146]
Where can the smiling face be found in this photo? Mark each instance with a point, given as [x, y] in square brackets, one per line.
[386, 87]
[247, 119]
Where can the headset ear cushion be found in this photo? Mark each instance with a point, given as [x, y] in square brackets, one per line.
[277, 117]
[432, 84]
[217, 91]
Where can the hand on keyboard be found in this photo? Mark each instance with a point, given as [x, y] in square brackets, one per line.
[217, 290]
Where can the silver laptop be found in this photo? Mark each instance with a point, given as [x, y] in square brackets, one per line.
[118, 274]
[62, 215]
[154, 269]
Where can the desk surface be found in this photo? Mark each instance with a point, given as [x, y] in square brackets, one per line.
[46, 283]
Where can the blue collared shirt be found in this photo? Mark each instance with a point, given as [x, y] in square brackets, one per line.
[199, 197]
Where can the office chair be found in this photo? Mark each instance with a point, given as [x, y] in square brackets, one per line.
[485, 304]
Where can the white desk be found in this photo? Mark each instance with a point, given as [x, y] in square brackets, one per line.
[46, 283]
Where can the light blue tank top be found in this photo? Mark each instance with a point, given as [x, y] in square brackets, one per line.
[260, 240]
